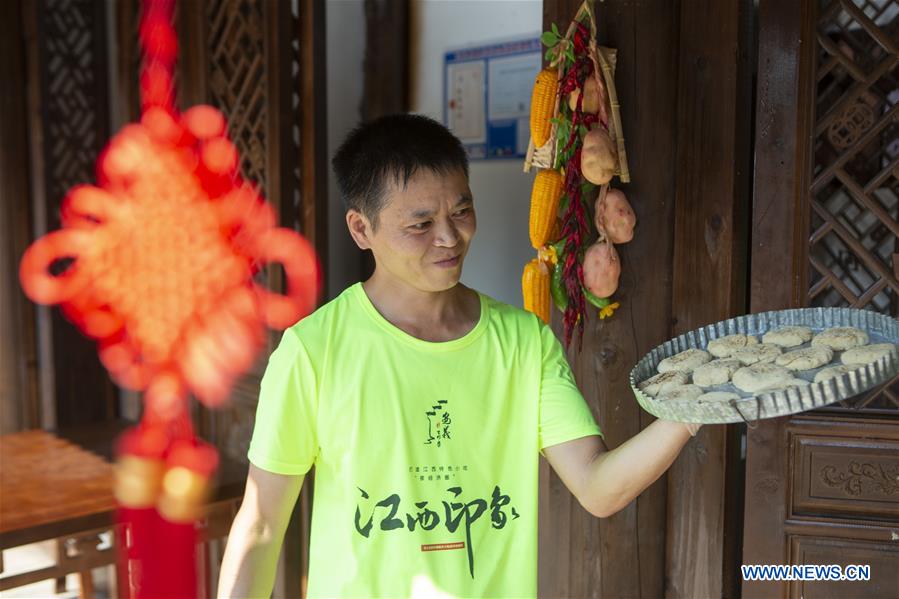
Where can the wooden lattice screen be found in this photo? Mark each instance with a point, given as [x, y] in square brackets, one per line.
[244, 58]
[68, 125]
[853, 253]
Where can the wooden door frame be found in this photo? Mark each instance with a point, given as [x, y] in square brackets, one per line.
[705, 502]
[778, 277]
[19, 391]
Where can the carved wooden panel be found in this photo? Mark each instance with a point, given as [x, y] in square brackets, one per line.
[881, 556]
[243, 57]
[69, 125]
[853, 253]
[845, 477]
[237, 77]
[72, 39]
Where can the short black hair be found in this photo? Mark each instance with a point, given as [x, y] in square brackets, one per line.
[397, 146]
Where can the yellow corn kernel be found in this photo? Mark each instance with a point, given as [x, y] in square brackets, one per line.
[535, 289]
[543, 103]
[545, 197]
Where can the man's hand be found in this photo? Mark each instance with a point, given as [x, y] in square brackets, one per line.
[248, 567]
[606, 481]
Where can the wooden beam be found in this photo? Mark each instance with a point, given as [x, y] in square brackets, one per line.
[385, 89]
[386, 62]
[314, 128]
[709, 275]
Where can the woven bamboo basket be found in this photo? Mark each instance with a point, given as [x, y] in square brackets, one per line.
[604, 60]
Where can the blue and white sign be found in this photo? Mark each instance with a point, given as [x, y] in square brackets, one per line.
[487, 96]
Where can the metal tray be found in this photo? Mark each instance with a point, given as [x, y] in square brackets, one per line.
[880, 328]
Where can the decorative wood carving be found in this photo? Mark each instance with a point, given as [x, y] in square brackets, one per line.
[871, 478]
[846, 472]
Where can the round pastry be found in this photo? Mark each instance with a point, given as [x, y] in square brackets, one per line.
[681, 392]
[716, 372]
[788, 336]
[834, 371]
[841, 338]
[790, 382]
[867, 353]
[662, 382]
[725, 346]
[716, 396]
[760, 376]
[686, 361]
[757, 354]
[806, 358]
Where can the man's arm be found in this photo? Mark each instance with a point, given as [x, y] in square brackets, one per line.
[606, 481]
[248, 567]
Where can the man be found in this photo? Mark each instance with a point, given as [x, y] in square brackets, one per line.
[422, 404]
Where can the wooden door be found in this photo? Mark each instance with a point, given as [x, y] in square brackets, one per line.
[821, 487]
[684, 81]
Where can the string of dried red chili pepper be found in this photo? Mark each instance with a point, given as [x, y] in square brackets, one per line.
[575, 228]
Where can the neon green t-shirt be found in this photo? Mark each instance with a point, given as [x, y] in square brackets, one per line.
[426, 454]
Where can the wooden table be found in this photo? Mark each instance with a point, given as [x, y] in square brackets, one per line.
[54, 489]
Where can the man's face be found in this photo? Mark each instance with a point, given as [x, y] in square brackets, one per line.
[424, 230]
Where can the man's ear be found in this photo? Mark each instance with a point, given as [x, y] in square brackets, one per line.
[360, 228]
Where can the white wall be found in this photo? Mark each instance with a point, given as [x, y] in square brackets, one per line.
[345, 23]
[501, 190]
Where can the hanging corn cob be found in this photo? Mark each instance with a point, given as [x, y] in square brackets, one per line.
[543, 107]
[545, 197]
[535, 288]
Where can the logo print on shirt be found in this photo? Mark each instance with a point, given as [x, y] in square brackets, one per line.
[457, 512]
[439, 422]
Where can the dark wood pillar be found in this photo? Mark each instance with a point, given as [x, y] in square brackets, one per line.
[776, 229]
[386, 74]
[709, 278]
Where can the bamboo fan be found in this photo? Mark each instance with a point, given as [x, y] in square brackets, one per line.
[604, 60]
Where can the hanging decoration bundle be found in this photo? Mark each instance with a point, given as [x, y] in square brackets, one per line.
[158, 263]
[578, 144]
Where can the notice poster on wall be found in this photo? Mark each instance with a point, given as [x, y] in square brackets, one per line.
[487, 96]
